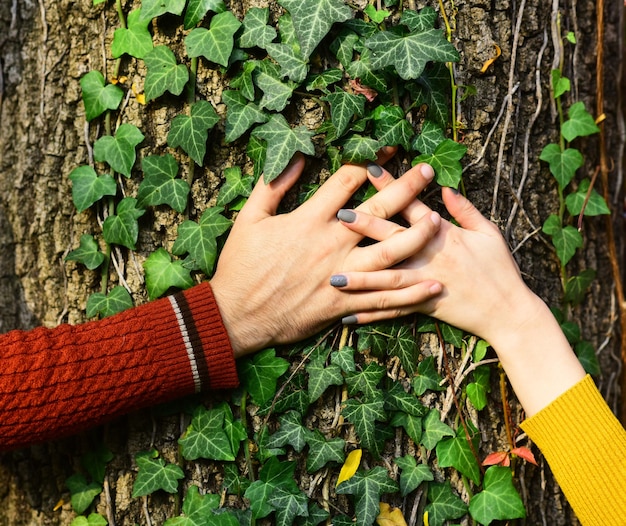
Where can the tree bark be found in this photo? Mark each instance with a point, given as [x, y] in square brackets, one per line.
[47, 46]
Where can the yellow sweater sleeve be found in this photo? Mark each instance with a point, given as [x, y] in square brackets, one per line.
[585, 446]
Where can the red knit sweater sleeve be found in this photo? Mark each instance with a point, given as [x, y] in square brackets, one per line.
[55, 382]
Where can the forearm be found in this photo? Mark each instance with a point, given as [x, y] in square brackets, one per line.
[535, 354]
[55, 382]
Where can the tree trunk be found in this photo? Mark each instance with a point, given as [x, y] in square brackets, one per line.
[506, 119]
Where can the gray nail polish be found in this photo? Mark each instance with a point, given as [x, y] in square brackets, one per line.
[338, 280]
[374, 170]
[347, 216]
[455, 190]
[349, 320]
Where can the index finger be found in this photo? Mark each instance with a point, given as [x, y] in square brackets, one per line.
[397, 195]
[340, 187]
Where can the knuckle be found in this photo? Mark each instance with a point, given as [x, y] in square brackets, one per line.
[350, 179]
[376, 208]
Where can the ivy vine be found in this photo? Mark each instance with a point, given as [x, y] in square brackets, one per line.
[381, 77]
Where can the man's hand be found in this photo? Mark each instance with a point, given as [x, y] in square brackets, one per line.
[272, 282]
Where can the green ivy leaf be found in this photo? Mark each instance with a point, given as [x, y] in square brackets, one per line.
[321, 377]
[586, 354]
[153, 8]
[288, 504]
[391, 127]
[291, 432]
[257, 152]
[95, 461]
[427, 377]
[94, 519]
[594, 205]
[236, 186]
[409, 54]
[577, 286]
[444, 504]
[405, 347]
[197, 10]
[135, 40]
[256, 32]
[312, 20]
[432, 89]
[563, 164]
[411, 424]
[162, 273]
[205, 437]
[579, 124]
[499, 500]
[367, 487]
[119, 150]
[160, 185]
[197, 509]
[376, 16]
[435, 430]
[457, 453]
[364, 70]
[154, 474]
[122, 228]
[366, 381]
[88, 187]
[117, 300]
[216, 43]
[276, 93]
[260, 373]
[241, 114]
[430, 137]
[283, 141]
[292, 65]
[274, 474]
[199, 240]
[422, 21]
[412, 474]
[363, 414]
[478, 389]
[82, 493]
[164, 73]
[566, 239]
[358, 149]
[322, 451]
[397, 399]
[343, 46]
[244, 81]
[445, 162]
[344, 107]
[322, 80]
[560, 84]
[191, 132]
[97, 97]
[344, 358]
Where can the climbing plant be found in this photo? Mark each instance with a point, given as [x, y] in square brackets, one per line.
[380, 76]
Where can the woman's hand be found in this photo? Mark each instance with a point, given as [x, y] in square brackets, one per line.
[272, 282]
[483, 293]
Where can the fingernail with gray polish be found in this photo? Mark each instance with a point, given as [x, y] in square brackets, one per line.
[338, 280]
[347, 216]
[374, 170]
[349, 320]
[455, 191]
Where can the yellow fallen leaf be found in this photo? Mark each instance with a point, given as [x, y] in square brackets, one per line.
[426, 519]
[350, 466]
[601, 118]
[390, 516]
[58, 505]
[491, 60]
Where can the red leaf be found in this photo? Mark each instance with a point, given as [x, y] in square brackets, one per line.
[525, 453]
[499, 457]
[370, 93]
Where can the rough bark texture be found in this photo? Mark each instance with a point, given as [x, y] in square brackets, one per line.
[46, 46]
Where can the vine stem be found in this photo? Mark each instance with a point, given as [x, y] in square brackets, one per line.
[604, 177]
[446, 365]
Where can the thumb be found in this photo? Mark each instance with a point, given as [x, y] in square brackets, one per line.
[463, 211]
[265, 198]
